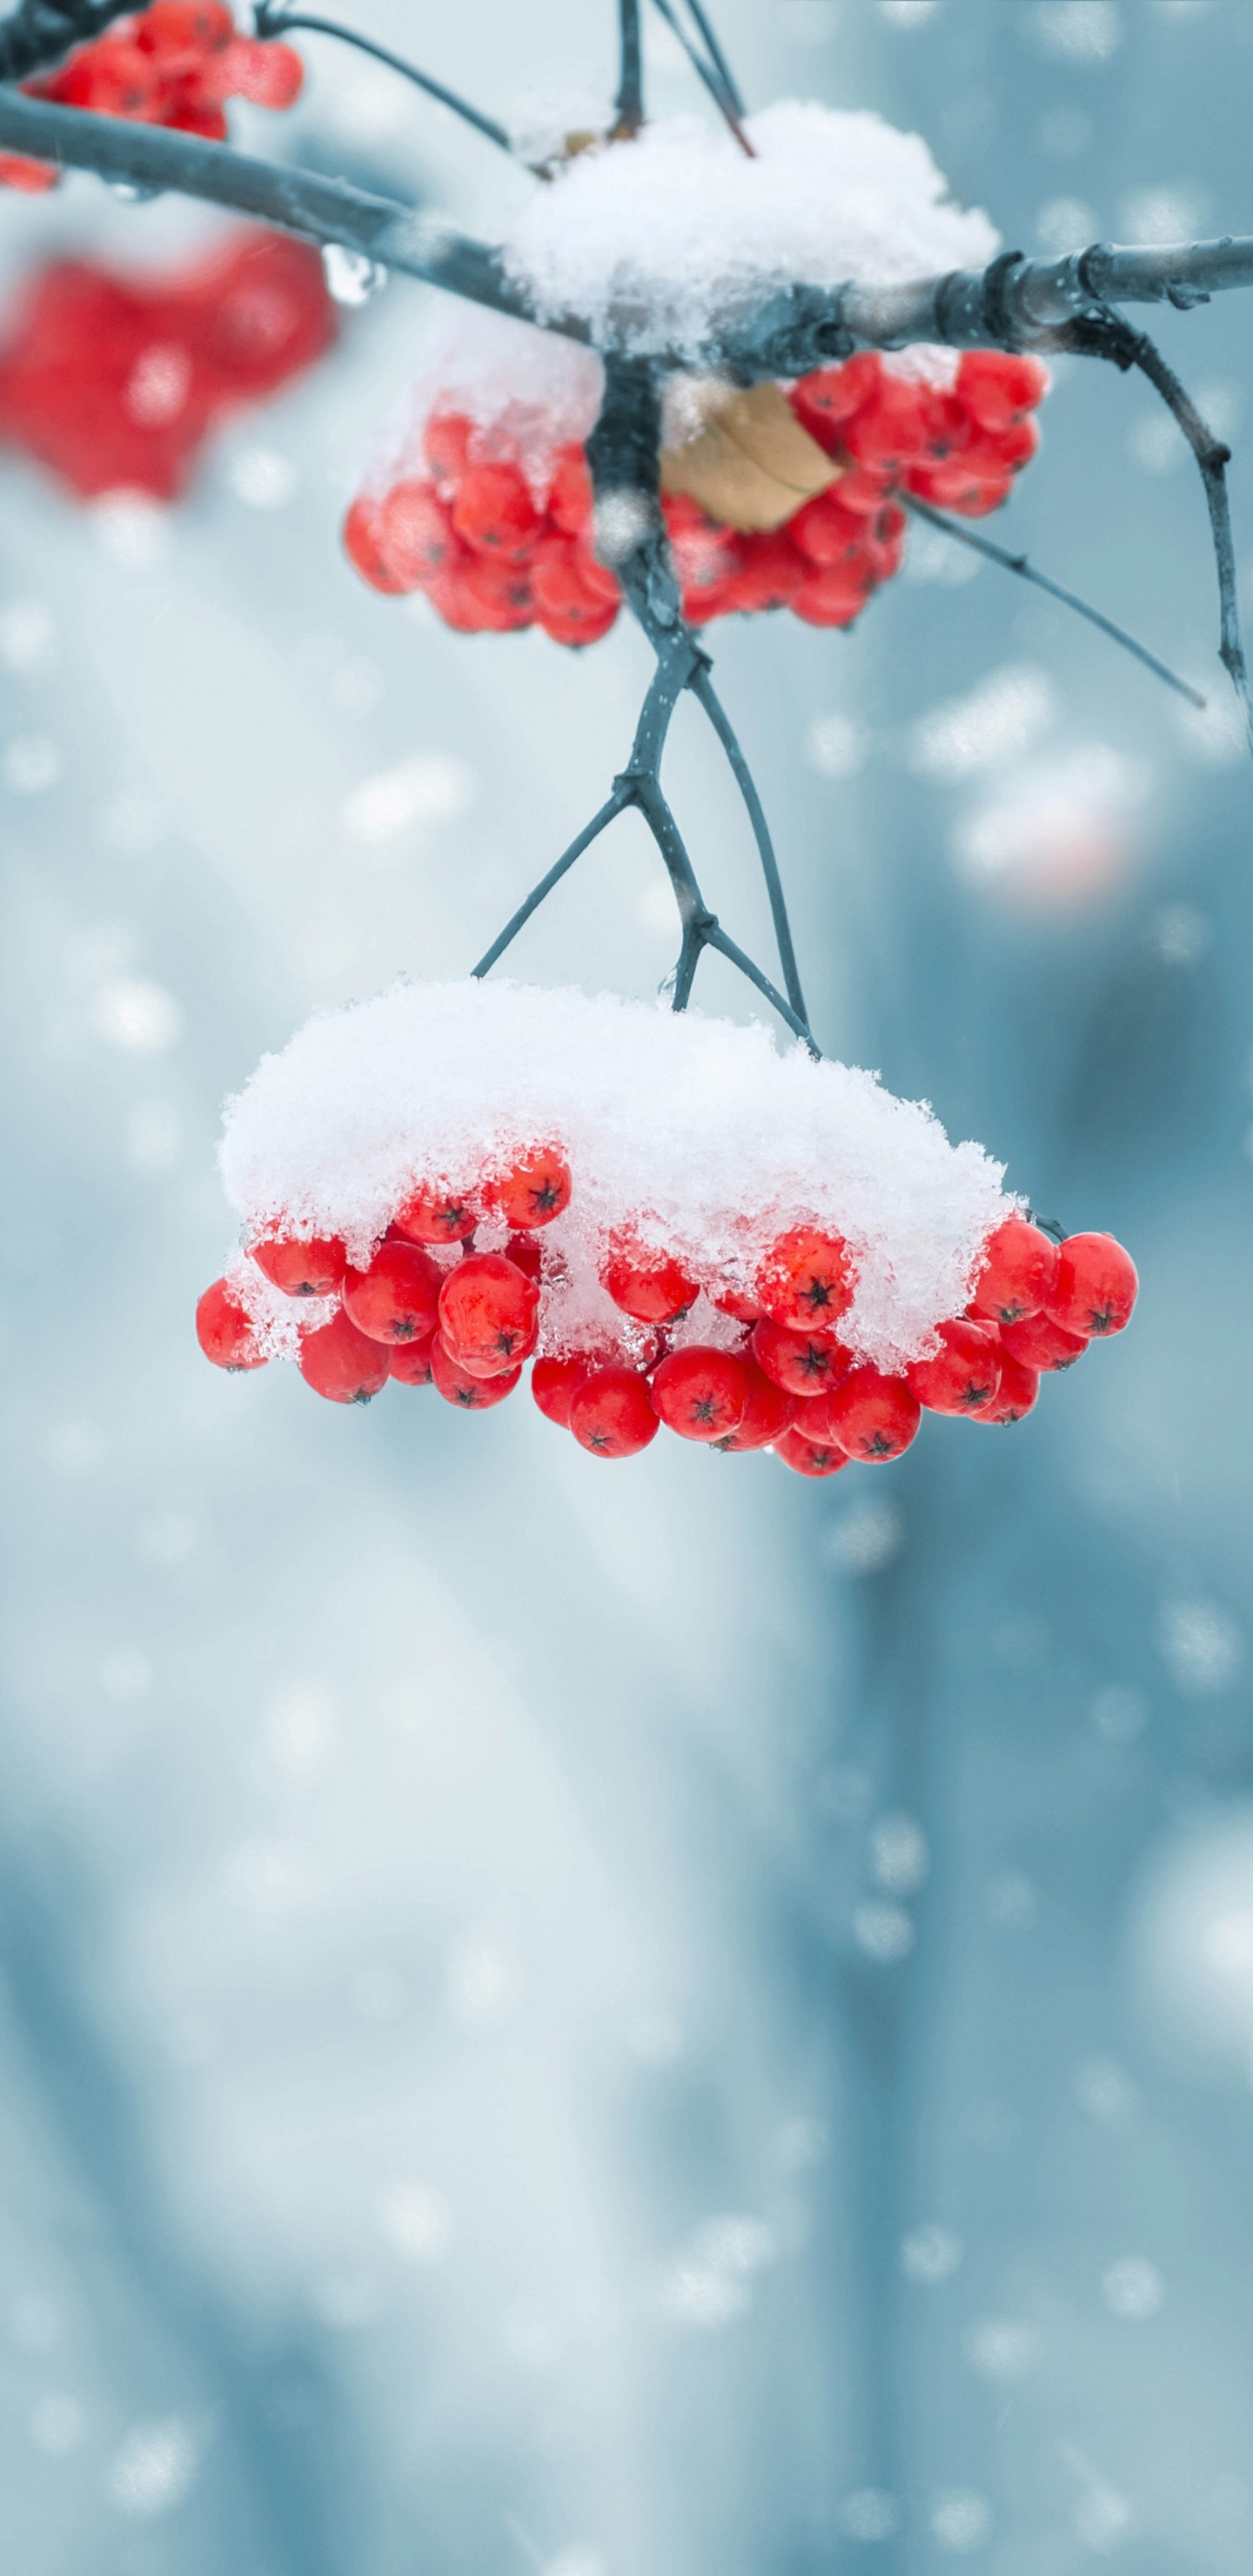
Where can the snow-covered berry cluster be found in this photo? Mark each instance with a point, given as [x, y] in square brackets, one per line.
[174, 64]
[495, 546]
[751, 1249]
[114, 383]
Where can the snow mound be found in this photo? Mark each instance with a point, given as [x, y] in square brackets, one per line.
[661, 238]
[703, 1135]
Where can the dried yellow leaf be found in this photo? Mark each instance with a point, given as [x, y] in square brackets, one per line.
[750, 463]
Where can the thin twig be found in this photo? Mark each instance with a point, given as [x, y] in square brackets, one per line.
[1069, 598]
[629, 104]
[590, 832]
[716, 937]
[702, 688]
[276, 22]
[718, 58]
[1104, 334]
[709, 74]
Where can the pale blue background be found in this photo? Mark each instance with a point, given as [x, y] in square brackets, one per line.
[458, 2117]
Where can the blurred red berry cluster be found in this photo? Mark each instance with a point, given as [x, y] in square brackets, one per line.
[114, 383]
[466, 1324]
[174, 64]
[490, 550]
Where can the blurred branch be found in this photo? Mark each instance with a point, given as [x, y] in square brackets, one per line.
[630, 99]
[1027, 572]
[41, 31]
[274, 21]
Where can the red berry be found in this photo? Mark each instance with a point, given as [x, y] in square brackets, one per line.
[865, 488]
[769, 574]
[411, 1361]
[342, 1364]
[554, 1384]
[1038, 1343]
[891, 428]
[269, 75]
[827, 533]
[1096, 1285]
[436, 1216]
[526, 1255]
[301, 1269]
[646, 1284]
[476, 596]
[570, 492]
[834, 596]
[184, 30]
[1015, 1395]
[224, 1330]
[31, 178]
[415, 534]
[701, 1393]
[611, 1413]
[997, 388]
[824, 401]
[458, 1386]
[768, 1412]
[872, 1417]
[1018, 1275]
[808, 1456]
[534, 1190]
[568, 607]
[488, 1313]
[807, 1279]
[361, 540]
[744, 1310]
[965, 1373]
[112, 77]
[494, 511]
[397, 1298]
[446, 444]
[804, 1364]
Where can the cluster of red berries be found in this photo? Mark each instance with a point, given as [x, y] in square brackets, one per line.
[114, 383]
[466, 1326]
[174, 64]
[491, 552]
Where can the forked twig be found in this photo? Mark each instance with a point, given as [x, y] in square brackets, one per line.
[1069, 598]
[723, 94]
[1103, 333]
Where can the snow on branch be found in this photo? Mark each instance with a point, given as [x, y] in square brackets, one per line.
[791, 326]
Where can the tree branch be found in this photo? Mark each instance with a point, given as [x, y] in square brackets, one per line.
[1027, 572]
[296, 201]
[1015, 304]
[708, 73]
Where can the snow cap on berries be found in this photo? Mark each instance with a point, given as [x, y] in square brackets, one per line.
[671, 233]
[699, 1138]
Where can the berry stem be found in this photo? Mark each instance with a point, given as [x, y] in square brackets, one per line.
[271, 21]
[702, 688]
[712, 73]
[582, 840]
[629, 103]
[1069, 598]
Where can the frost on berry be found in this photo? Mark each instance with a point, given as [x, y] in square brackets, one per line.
[488, 1311]
[225, 1330]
